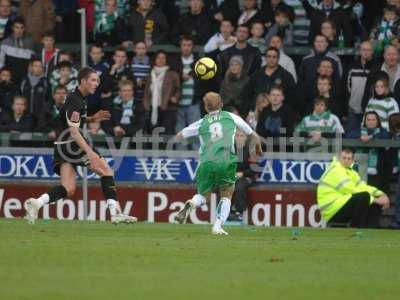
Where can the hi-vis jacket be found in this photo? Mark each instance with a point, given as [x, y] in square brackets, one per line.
[336, 187]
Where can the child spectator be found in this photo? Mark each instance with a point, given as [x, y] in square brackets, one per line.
[8, 89]
[321, 123]
[49, 52]
[140, 69]
[328, 29]
[109, 29]
[18, 120]
[282, 27]
[49, 121]
[34, 88]
[127, 116]
[66, 77]
[386, 29]
[382, 103]
[257, 37]
[17, 50]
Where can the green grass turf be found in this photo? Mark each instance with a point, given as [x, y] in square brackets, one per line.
[77, 260]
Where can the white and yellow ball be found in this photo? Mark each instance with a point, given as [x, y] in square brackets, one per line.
[205, 68]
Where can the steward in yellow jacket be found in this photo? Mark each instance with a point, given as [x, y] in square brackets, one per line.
[342, 196]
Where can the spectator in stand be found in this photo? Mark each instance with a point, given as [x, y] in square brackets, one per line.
[331, 10]
[6, 18]
[109, 28]
[325, 89]
[329, 86]
[170, 9]
[16, 51]
[382, 103]
[8, 89]
[197, 23]
[257, 39]
[49, 53]
[378, 172]
[189, 109]
[310, 63]
[67, 20]
[282, 27]
[386, 29]
[356, 82]
[162, 95]
[66, 77]
[390, 70]
[140, 69]
[18, 120]
[39, 17]
[250, 13]
[97, 62]
[34, 88]
[301, 22]
[232, 86]
[321, 123]
[49, 120]
[94, 128]
[119, 69]
[223, 10]
[147, 24]
[328, 29]
[266, 78]
[270, 7]
[127, 115]
[220, 40]
[245, 177]
[262, 102]
[277, 119]
[89, 6]
[284, 60]
[251, 56]
[344, 197]
[122, 7]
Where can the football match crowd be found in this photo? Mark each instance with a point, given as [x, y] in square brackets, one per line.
[317, 95]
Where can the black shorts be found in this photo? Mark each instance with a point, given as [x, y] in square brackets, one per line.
[70, 153]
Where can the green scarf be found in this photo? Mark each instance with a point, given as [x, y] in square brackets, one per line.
[372, 153]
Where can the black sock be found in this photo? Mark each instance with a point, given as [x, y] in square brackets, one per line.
[108, 187]
[56, 193]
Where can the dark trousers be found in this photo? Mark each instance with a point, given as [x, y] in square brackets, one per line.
[239, 198]
[166, 120]
[359, 212]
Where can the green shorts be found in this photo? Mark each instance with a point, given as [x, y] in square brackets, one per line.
[212, 175]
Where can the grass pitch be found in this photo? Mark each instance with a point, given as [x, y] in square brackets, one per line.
[77, 260]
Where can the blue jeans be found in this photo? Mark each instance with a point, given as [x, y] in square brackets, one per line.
[185, 116]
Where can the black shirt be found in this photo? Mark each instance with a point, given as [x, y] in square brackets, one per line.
[72, 114]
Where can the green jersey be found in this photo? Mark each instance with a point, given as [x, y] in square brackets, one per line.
[216, 132]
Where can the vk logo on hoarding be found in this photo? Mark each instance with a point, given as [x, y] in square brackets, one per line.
[162, 169]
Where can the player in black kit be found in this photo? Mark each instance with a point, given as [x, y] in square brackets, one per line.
[71, 150]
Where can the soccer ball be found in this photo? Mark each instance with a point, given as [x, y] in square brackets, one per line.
[205, 68]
